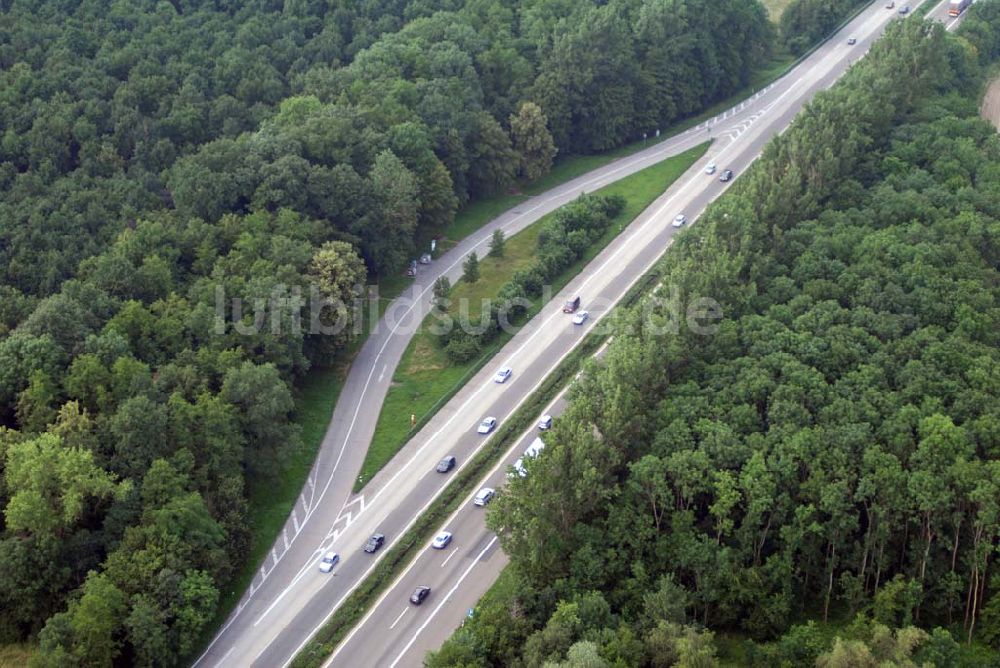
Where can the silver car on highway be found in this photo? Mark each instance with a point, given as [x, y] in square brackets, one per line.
[441, 540]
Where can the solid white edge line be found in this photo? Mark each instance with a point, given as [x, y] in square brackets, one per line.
[393, 625]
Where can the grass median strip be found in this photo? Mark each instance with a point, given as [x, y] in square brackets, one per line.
[426, 378]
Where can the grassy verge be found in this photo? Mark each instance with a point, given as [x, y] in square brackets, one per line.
[425, 378]
[473, 216]
[16, 655]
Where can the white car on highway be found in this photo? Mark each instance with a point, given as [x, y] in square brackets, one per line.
[518, 468]
[679, 220]
[710, 169]
[502, 375]
[581, 317]
[441, 540]
[484, 496]
[545, 423]
[486, 426]
[328, 561]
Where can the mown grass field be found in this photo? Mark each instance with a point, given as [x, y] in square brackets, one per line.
[426, 378]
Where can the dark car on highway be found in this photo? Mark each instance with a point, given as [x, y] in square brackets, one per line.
[726, 175]
[446, 464]
[419, 594]
[375, 542]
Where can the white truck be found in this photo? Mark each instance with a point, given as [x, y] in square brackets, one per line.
[536, 446]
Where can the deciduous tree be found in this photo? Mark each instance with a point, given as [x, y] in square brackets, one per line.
[532, 140]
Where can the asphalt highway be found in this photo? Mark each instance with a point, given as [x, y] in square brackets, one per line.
[290, 599]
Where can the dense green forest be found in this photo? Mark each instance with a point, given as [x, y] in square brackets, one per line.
[831, 451]
[158, 154]
[113, 110]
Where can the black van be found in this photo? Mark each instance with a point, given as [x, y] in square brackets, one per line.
[572, 305]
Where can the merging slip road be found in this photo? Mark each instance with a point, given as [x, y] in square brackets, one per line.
[289, 598]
